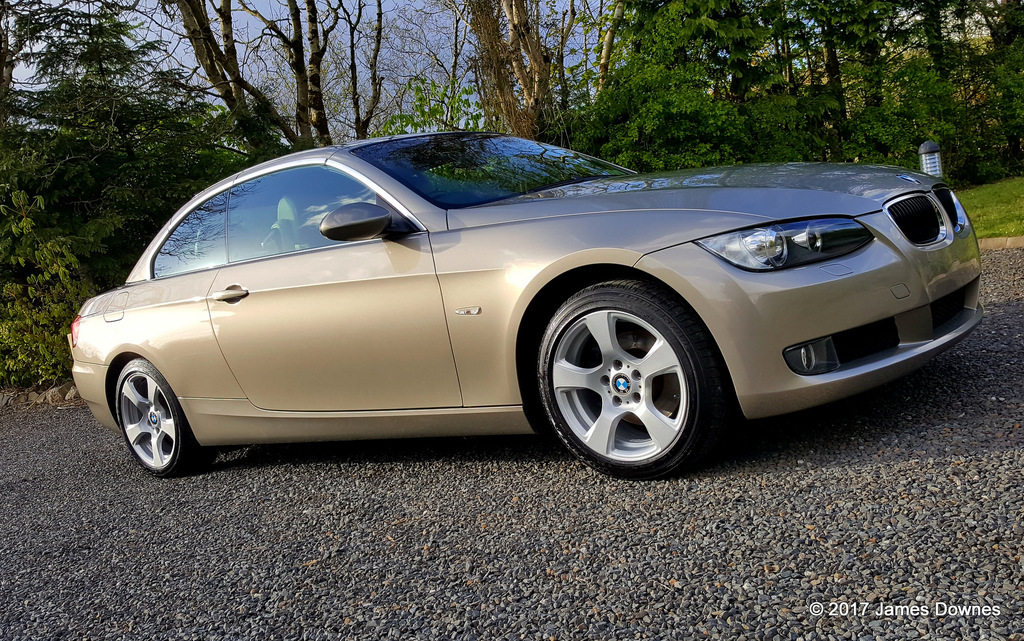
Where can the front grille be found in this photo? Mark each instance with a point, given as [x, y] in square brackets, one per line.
[946, 308]
[866, 340]
[917, 217]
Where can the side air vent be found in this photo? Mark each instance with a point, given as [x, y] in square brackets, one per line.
[917, 217]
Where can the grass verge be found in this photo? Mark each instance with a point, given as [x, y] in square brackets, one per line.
[996, 210]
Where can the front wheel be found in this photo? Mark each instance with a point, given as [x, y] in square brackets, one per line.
[154, 425]
[631, 380]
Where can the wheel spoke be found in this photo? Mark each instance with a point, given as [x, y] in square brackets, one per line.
[167, 427]
[136, 431]
[629, 392]
[129, 392]
[601, 326]
[660, 428]
[157, 442]
[565, 375]
[660, 359]
[601, 437]
[148, 419]
[151, 390]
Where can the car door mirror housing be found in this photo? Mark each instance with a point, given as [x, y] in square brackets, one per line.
[356, 221]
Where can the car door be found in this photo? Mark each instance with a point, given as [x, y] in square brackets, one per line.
[167, 318]
[309, 324]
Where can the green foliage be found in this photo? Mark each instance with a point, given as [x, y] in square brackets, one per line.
[113, 146]
[783, 128]
[652, 118]
[109, 139]
[437, 107]
[996, 210]
[916, 108]
[723, 36]
[35, 312]
[721, 81]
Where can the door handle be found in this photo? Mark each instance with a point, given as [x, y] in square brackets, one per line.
[232, 294]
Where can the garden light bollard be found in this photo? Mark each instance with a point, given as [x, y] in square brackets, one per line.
[931, 160]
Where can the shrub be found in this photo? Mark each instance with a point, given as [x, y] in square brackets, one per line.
[41, 297]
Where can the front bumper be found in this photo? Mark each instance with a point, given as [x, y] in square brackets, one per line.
[755, 316]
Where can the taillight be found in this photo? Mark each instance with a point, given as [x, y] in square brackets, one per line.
[74, 330]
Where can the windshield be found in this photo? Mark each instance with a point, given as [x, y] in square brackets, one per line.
[462, 170]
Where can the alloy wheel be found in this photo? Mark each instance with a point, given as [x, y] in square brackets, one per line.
[620, 386]
[148, 421]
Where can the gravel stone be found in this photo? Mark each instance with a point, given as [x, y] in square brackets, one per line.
[908, 495]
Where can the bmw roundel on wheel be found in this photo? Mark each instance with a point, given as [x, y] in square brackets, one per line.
[475, 283]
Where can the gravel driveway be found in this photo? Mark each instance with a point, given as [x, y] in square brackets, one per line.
[903, 505]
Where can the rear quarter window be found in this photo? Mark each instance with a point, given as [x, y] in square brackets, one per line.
[198, 242]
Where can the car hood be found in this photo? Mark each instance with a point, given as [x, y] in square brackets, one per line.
[755, 192]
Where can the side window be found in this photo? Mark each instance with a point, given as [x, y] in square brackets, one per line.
[281, 212]
[197, 242]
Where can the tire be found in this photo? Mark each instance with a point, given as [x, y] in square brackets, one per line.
[153, 424]
[632, 381]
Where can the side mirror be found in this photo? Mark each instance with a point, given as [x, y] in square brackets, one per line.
[357, 221]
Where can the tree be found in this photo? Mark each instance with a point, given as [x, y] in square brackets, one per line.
[307, 34]
[305, 53]
[217, 54]
[363, 113]
[608, 43]
[92, 163]
[13, 39]
[35, 311]
[515, 59]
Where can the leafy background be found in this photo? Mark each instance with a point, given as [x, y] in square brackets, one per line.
[106, 128]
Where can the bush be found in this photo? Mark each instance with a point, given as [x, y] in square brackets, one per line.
[37, 307]
[653, 118]
[114, 145]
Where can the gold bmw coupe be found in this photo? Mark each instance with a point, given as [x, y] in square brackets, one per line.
[475, 283]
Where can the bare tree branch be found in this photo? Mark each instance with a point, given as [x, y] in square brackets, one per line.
[363, 114]
[513, 61]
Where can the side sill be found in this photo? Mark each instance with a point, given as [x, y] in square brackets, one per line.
[239, 422]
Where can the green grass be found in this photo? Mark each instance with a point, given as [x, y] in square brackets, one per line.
[996, 210]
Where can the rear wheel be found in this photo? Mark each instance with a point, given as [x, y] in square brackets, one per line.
[153, 424]
[631, 380]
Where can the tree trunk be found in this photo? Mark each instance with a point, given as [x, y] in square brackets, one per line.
[609, 42]
[219, 60]
[297, 61]
[514, 70]
[362, 119]
[874, 73]
[931, 11]
[317, 51]
[568, 19]
[833, 72]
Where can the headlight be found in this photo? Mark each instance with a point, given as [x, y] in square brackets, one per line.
[788, 244]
